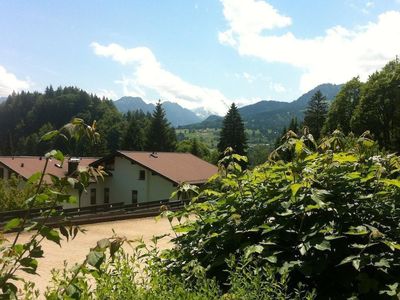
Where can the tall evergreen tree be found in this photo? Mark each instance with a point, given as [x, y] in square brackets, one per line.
[232, 132]
[160, 135]
[315, 114]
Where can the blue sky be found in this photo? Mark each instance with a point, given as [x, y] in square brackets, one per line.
[201, 54]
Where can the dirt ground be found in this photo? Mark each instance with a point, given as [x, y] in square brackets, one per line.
[76, 250]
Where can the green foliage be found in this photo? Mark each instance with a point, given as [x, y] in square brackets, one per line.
[232, 132]
[13, 193]
[315, 114]
[16, 257]
[160, 135]
[378, 109]
[193, 146]
[119, 275]
[329, 219]
[258, 154]
[342, 107]
[25, 116]
[135, 135]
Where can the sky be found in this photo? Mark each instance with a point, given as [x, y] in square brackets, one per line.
[202, 54]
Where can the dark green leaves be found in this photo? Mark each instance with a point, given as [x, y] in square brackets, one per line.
[50, 234]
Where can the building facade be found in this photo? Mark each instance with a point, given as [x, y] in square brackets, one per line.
[131, 176]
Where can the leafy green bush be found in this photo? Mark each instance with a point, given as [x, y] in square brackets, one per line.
[13, 193]
[329, 218]
[118, 275]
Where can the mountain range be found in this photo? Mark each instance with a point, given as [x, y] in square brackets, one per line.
[271, 116]
[265, 115]
[176, 114]
[2, 99]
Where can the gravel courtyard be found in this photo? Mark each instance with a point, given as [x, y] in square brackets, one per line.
[76, 250]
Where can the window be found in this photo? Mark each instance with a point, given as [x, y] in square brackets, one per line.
[106, 195]
[93, 196]
[142, 175]
[1, 173]
[134, 197]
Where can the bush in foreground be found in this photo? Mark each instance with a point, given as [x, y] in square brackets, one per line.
[329, 219]
[118, 275]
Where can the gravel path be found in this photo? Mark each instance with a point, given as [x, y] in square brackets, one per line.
[76, 250]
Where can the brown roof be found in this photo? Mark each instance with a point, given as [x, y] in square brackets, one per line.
[26, 166]
[177, 167]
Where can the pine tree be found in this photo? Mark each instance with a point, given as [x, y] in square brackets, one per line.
[232, 132]
[315, 114]
[160, 135]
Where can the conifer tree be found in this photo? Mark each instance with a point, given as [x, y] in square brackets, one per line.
[160, 135]
[232, 132]
[315, 114]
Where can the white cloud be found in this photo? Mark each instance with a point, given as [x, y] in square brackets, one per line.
[110, 94]
[149, 76]
[334, 57]
[9, 83]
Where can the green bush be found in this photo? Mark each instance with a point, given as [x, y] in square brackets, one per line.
[13, 193]
[139, 276]
[329, 218]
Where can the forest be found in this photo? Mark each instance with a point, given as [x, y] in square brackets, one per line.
[26, 116]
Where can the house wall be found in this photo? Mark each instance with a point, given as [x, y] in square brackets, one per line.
[100, 185]
[125, 179]
[159, 187]
[5, 172]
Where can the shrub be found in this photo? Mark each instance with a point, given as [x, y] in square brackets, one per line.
[329, 218]
[13, 193]
[139, 276]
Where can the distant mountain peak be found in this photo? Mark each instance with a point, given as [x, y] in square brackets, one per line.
[176, 114]
[272, 115]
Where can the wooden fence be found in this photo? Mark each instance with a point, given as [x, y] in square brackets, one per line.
[89, 214]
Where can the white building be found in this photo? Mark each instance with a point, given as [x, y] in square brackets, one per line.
[132, 176]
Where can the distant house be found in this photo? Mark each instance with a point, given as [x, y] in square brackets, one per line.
[132, 177]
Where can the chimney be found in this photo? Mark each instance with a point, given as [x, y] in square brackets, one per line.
[22, 165]
[73, 163]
